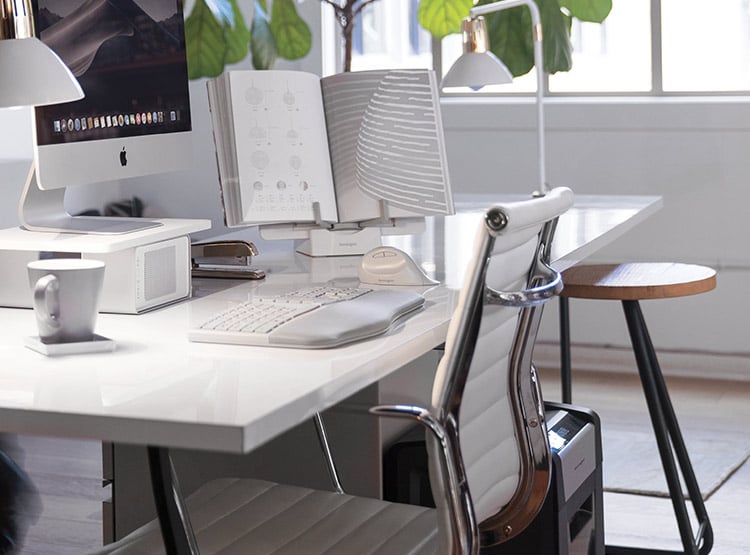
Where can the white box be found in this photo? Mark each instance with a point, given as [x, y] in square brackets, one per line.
[144, 269]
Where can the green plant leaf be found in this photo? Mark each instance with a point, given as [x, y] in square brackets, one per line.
[205, 42]
[262, 43]
[237, 38]
[292, 35]
[511, 39]
[556, 46]
[222, 10]
[588, 10]
[443, 17]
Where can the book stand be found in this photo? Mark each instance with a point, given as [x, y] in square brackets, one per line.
[324, 238]
[340, 241]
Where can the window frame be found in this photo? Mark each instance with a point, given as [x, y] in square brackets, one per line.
[331, 59]
[657, 87]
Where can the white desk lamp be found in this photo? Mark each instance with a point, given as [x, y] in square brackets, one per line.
[32, 74]
[478, 67]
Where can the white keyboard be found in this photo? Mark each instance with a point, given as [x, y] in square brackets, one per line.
[312, 317]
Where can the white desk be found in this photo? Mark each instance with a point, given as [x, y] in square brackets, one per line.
[158, 389]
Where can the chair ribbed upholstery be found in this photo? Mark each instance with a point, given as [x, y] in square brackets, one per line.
[250, 516]
[489, 446]
[229, 515]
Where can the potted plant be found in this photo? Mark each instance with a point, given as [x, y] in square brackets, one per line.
[217, 35]
[217, 32]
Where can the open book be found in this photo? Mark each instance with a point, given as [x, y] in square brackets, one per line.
[352, 147]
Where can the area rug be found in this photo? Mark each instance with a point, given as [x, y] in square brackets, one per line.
[632, 463]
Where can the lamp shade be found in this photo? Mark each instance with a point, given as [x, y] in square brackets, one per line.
[33, 75]
[476, 70]
[477, 66]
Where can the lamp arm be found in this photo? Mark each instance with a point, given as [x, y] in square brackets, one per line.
[536, 23]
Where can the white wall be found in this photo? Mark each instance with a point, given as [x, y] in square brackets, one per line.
[693, 153]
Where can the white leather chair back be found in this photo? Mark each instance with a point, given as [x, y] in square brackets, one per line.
[502, 445]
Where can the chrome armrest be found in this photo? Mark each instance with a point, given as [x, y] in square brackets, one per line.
[551, 285]
[546, 282]
[420, 414]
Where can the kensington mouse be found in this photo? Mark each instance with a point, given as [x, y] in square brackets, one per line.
[391, 266]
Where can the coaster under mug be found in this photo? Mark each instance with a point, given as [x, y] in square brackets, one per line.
[98, 344]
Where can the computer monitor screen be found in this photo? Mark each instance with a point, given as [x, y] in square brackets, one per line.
[129, 57]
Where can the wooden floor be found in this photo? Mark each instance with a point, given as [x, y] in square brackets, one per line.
[68, 472]
[68, 476]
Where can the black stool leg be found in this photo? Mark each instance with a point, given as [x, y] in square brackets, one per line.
[565, 364]
[669, 440]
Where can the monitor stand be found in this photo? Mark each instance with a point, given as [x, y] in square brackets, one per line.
[44, 210]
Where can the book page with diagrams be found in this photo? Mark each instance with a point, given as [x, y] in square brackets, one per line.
[272, 147]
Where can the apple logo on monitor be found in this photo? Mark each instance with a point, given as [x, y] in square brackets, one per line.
[123, 157]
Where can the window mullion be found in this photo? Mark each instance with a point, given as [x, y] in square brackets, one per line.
[657, 83]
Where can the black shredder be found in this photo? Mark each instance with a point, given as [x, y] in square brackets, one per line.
[570, 522]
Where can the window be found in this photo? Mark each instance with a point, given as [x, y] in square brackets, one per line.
[387, 35]
[662, 46]
[613, 56]
[705, 46]
[643, 47]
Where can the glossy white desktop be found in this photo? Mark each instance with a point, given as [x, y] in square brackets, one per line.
[158, 389]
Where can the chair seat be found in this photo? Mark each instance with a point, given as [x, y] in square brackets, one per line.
[637, 281]
[241, 516]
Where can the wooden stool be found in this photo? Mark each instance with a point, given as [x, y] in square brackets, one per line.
[631, 283]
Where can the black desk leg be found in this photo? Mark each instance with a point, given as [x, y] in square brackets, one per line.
[669, 440]
[174, 520]
[565, 364]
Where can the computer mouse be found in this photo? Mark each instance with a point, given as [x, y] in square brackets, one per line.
[391, 266]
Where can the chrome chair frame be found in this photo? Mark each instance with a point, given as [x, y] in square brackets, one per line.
[464, 534]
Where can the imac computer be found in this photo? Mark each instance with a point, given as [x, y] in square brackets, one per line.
[129, 57]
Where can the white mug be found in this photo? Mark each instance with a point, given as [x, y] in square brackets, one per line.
[66, 298]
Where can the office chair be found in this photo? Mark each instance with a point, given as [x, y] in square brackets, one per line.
[487, 442]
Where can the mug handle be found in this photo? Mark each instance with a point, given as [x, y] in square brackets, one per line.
[47, 300]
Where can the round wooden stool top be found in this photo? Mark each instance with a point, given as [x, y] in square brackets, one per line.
[637, 281]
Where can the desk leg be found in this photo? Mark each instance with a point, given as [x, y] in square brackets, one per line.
[174, 520]
[669, 440]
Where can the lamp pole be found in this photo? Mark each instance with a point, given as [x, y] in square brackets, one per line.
[536, 24]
